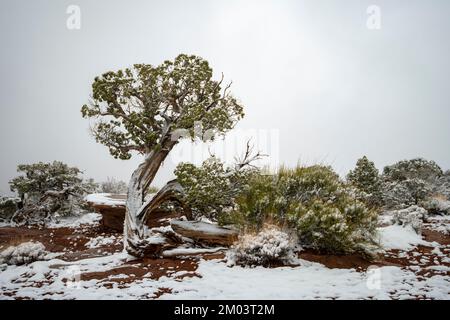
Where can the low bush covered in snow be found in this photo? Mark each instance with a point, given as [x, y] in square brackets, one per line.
[270, 246]
[437, 205]
[412, 216]
[48, 190]
[409, 182]
[23, 253]
[313, 201]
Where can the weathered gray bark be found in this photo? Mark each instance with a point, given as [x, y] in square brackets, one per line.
[138, 210]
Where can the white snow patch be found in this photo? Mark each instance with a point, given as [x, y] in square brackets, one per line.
[76, 221]
[100, 241]
[310, 281]
[106, 199]
[399, 237]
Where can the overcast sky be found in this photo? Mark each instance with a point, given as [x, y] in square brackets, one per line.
[310, 73]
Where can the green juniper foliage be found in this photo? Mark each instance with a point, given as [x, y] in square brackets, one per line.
[40, 177]
[365, 177]
[48, 188]
[211, 188]
[138, 106]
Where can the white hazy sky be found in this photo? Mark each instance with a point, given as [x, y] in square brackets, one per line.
[312, 71]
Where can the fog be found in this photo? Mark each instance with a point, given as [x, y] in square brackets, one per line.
[315, 80]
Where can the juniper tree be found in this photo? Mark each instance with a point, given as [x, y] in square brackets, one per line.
[365, 177]
[38, 178]
[147, 109]
[211, 189]
[48, 188]
[415, 178]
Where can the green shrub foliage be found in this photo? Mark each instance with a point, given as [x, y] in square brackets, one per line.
[313, 201]
[211, 188]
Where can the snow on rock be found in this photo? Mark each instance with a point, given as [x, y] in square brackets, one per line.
[77, 221]
[400, 237]
[23, 253]
[106, 199]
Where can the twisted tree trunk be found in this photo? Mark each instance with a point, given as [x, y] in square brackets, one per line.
[136, 242]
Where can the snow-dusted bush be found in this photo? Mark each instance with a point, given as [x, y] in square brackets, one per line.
[442, 186]
[49, 189]
[412, 216]
[270, 246]
[111, 185]
[210, 189]
[313, 201]
[396, 195]
[23, 253]
[409, 182]
[365, 177]
[437, 205]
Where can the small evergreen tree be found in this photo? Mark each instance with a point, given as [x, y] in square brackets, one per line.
[46, 189]
[410, 181]
[210, 189]
[365, 177]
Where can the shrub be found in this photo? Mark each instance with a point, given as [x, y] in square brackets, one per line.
[271, 246]
[114, 186]
[23, 253]
[49, 189]
[437, 205]
[210, 189]
[409, 182]
[396, 195]
[314, 202]
[412, 216]
[442, 186]
[365, 177]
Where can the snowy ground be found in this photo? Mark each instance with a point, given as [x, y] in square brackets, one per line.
[411, 268]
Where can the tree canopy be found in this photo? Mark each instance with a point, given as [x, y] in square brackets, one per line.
[139, 108]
